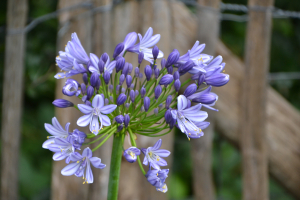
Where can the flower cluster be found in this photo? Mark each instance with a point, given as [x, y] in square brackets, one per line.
[120, 99]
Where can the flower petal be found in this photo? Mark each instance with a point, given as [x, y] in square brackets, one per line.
[56, 124]
[54, 131]
[98, 101]
[70, 169]
[157, 145]
[182, 102]
[96, 162]
[105, 120]
[59, 156]
[47, 142]
[162, 152]
[89, 174]
[87, 152]
[85, 109]
[108, 109]
[94, 125]
[84, 120]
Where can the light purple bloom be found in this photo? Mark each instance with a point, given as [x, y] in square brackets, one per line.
[74, 69]
[187, 117]
[157, 178]
[205, 97]
[108, 66]
[144, 45]
[95, 112]
[131, 154]
[153, 155]
[82, 162]
[56, 130]
[128, 42]
[71, 88]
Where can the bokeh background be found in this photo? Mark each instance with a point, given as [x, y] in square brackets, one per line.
[35, 163]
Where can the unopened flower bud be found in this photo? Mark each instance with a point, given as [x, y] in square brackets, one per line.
[170, 70]
[132, 95]
[163, 63]
[191, 89]
[118, 89]
[143, 91]
[168, 116]
[130, 67]
[155, 52]
[94, 79]
[120, 64]
[119, 48]
[186, 67]
[121, 79]
[128, 80]
[136, 93]
[177, 85]
[155, 111]
[157, 91]
[121, 99]
[131, 86]
[120, 127]
[127, 105]
[176, 75]
[140, 57]
[110, 88]
[101, 65]
[156, 73]
[148, 72]
[83, 88]
[166, 79]
[137, 72]
[88, 103]
[104, 57]
[173, 58]
[119, 119]
[62, 103]
[85, 78]
[168, 101]
[106, 101]
[126, 120]
[89, 92]
[106, 77]
[146, 103]
[125, 69]
[201, 79]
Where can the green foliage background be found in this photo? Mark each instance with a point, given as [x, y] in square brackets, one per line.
[39, 87]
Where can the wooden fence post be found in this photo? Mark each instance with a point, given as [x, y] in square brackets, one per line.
[253, 137]
[70, 187]
[208, 32]
[12, 98]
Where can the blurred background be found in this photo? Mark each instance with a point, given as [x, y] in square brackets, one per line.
[39, 86]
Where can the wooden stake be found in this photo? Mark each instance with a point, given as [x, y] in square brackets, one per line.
[12, 97]
[253, 135]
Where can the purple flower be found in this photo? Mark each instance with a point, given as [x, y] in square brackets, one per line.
[83, 88]
[136, 72]
[143, 91]
[126, 120]
[74, 51]
[62, 103]
[187, 117]
[168, 101]
[82, 162]
[191, 89]
[177, 85]
[153, 155]
[148, 72]
[125, 69]
[131, 154]
[121, 99]
[170, 70]
[157, 178]
[195, 55]
[94, 79]
[97, 64]
[78, 136]
[74, 69]
[119, 119]
[156, 73]
[106, 77]
[121, 79]
[85, 78]
[128, 43]
[184, 68]
[146, 103]
[172, 58]
[163, 63]
[166, 79]
[205, 97]
[168, 116]
[71, 88]
[144, 45]
[63, 148]
[56, 130]
[157, 91]
[155, 52]
[89, 92]
[120, 64]
[128, 80]
[118, 50]
[140, 57]
[132, 95]
[104, 57]
[95, 112]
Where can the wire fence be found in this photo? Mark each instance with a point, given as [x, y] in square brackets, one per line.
[91, 9]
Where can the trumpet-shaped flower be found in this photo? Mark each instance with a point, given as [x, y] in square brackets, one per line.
[95, 113]
[153, 155]
[94, 65]
[186, 117]
[56, 130]
[82, 162]
[157, 178]
[144, 45]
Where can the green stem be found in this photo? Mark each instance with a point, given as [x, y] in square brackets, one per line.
[115, 165]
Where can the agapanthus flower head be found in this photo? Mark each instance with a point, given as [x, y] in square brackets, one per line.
[95, 113]
[144, 107]
[153, 155]
[82, 162]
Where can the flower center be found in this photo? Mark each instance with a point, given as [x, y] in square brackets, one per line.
[96, 111]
